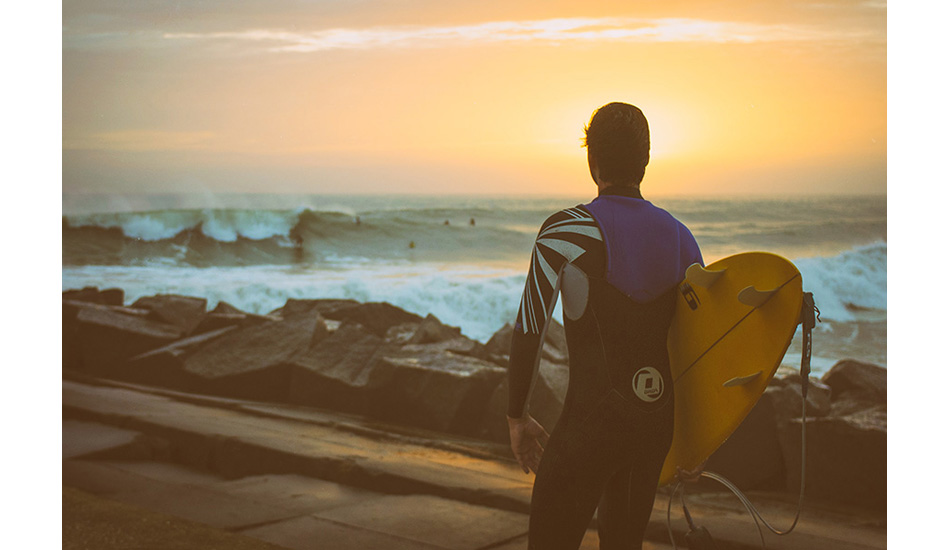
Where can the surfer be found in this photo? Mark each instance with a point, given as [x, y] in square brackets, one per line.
[616, 262]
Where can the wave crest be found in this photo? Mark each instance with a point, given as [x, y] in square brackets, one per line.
[850, 286]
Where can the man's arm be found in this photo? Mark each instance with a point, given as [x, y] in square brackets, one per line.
[564, 237]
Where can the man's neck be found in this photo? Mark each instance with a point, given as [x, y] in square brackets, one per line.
[632, 191]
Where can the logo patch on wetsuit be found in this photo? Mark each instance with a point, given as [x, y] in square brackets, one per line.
[648, 384]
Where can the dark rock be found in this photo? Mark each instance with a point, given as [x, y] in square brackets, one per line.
[112, 297]
[786, 392]
[184, 312]
[165, 366]
[251, 361]
[377, 317]
[334, 373]
[72, 343]
[857, 381]
[431, 388]
[225, 308]
[223, 317]
[422, 385]
[500, 342]
[555, 343]
[86, 294]
[91, 294]
[399, 334]
[431, 330]
[216, 321]
[752, 458]
[846, 457]
[100, 339]
[459, 345]
[322, 306]
[546, 402]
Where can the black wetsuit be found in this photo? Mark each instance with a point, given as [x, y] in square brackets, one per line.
[616, 262]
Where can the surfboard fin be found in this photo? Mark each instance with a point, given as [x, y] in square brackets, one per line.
[701, 276]
[741, 380]
[755, 298]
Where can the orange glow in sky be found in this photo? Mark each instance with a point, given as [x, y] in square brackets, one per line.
[486, 97]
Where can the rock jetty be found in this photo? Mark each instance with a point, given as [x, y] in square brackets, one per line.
[379, 361]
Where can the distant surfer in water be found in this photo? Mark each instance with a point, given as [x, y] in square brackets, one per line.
[616, 261]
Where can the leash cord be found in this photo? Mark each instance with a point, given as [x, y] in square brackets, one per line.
[808, 323]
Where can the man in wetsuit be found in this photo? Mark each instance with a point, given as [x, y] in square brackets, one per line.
[616, 262]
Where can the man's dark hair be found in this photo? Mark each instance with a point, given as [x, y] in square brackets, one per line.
[618, 139]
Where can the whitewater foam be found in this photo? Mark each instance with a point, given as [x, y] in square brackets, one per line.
[255, 253]
[848, 286]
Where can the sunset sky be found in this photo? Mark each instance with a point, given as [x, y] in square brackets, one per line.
[423, 96]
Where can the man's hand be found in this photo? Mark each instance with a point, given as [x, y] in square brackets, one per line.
[528, 439]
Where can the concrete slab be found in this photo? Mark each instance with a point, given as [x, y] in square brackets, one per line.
[302, 494]
[236, 444]
[91, 522]
[83, 438]
[432, 520]
[166, 472]
[233, 442]
[100, 479]
[205, 506]
[195, 503]
[308, 533]
[591, 542]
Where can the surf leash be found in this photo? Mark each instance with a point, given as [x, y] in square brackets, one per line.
[699, 538]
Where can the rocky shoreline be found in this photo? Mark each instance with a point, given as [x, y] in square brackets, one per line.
[379, 361]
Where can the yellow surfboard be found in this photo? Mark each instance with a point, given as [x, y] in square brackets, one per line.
[734, 322]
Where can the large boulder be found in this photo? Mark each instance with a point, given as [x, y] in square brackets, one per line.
[752, 457]
[252, 361]
[100, 339]
[856, 386]
[435, 386]
[225, 315]
[334, 372]
[500, 342]
[554, 349]
[546, 402]
[845, 457]
[185, 312]
[294, 306]
[431, 330]
[106, 297]
[846, 448]
[165, 366]
[377, 317]
[432, 388]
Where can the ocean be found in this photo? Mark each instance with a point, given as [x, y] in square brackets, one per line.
[463, 259]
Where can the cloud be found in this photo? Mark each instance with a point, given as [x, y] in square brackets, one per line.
[609, 29]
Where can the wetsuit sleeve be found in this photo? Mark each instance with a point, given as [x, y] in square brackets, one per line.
[564, 237]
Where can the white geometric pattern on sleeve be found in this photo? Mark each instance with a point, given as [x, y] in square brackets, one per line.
[558, 243]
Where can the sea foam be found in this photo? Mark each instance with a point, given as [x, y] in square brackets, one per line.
[850, 285]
